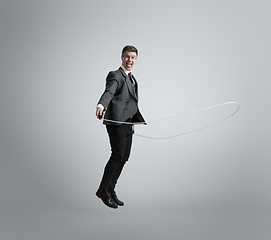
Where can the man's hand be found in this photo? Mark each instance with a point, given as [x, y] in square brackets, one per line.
[133, 128]
[99, 113]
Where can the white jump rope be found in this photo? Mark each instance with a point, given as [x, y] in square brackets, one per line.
[177, 135]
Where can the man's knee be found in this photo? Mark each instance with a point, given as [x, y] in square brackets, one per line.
[117, 158]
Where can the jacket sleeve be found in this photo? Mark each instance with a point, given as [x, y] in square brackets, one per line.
[110, 89]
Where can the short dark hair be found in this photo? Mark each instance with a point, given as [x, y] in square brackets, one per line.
[129, 48]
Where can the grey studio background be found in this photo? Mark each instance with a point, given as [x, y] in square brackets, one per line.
[213, 184]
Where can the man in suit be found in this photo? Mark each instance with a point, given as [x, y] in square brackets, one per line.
[119, 107]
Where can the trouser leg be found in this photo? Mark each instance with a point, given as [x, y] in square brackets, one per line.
[125, 158]
[120, 140]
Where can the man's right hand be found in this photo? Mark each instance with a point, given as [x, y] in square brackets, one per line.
[99, 112]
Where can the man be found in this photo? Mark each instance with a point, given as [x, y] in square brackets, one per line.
[119, 107]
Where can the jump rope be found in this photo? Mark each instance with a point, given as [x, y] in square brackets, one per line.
[187, 113]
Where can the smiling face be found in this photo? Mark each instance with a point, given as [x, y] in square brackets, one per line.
[128, 60]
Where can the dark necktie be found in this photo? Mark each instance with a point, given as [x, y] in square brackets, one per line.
[132, 81]
[131, 78]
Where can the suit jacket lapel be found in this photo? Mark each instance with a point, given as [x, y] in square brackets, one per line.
[129, 84]
[135, 88]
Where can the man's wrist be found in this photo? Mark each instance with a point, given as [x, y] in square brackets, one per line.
[100, 106]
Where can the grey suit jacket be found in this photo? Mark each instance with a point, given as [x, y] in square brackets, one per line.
[120, 99]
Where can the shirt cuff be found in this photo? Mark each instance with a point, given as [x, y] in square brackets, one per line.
[100, 106]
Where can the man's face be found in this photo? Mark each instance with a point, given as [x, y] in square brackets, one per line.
[128, 60]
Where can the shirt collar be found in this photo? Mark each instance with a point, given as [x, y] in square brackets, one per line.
[125, 70]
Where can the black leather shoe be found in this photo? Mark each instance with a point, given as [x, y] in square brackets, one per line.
[106, 198]
[115, 198]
